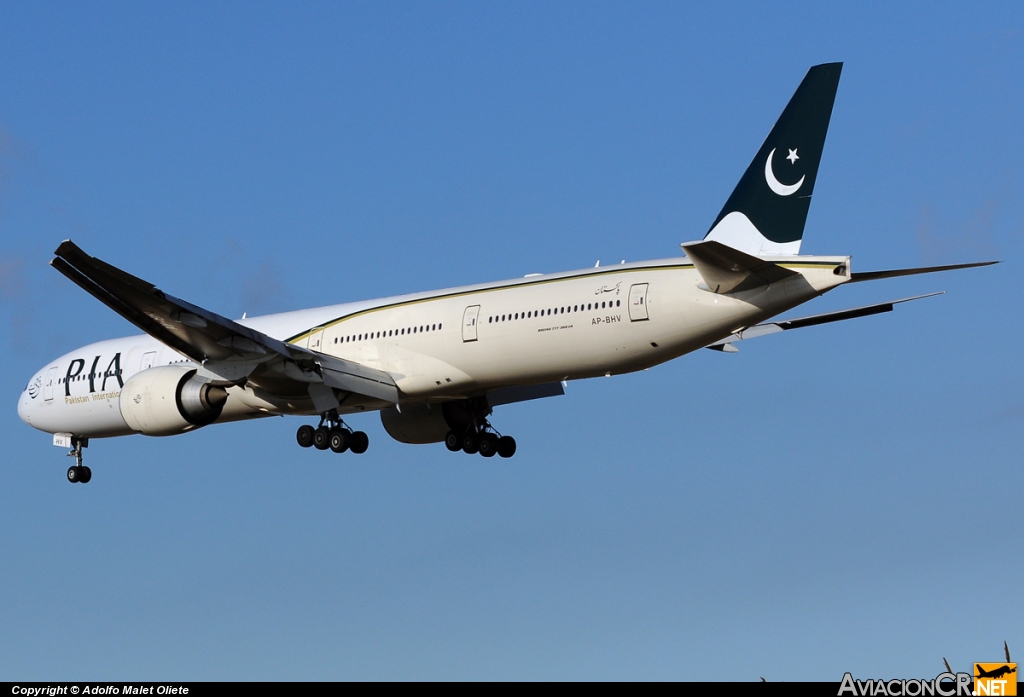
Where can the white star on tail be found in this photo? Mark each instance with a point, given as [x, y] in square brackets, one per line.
[792, 157]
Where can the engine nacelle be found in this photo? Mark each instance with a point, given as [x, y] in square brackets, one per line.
[415, 423]
[170, 399]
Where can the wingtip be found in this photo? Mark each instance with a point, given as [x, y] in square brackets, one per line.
[65, 247]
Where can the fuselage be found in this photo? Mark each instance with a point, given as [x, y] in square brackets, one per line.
[454, 343]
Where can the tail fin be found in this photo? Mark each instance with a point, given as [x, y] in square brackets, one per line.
[764, 215]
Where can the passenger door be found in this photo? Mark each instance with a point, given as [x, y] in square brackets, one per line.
[638, 302]
[315, 339]
[469, 323]
[51, 375]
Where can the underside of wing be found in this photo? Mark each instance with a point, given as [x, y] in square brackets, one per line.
[225, 348]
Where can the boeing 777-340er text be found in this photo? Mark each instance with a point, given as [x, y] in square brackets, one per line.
[435, 364]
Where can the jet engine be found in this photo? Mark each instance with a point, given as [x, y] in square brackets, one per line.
[170, 399]
[415, 423]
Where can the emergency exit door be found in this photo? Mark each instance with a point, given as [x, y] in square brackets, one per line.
[469, 323]
[638, 302]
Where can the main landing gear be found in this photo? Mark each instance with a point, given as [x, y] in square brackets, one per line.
[477, 439]
[332, 433]
[472, 432]
[78, 472]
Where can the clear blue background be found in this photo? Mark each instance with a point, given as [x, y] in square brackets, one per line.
[838, 498]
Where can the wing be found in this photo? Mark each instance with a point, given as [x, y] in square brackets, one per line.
[757, 330]
[223, 347]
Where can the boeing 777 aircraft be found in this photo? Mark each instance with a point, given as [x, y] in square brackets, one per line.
[435, 364]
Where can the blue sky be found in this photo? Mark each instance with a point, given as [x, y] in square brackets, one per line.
[838, 498]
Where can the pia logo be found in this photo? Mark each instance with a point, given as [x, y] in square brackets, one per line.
[33, 389]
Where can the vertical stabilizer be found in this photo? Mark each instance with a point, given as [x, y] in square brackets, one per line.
[767, 210]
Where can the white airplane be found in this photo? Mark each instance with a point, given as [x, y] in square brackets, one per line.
[435, 364]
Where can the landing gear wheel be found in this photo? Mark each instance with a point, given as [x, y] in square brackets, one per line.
[453, 441]
[305, 435]
[86, 475]
[470, 443]
[506, 446]
[339, 440]
[488, 444]
[360, 442]
[74, 474]
[322, 438]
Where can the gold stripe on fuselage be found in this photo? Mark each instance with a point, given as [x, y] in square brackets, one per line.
[524, 283]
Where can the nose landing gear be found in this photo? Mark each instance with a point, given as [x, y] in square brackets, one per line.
[332, 433]
[78, 472]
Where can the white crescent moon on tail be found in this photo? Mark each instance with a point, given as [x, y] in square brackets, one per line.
[774, 184]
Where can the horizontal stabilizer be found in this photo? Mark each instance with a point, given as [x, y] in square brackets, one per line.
[767, 328]
[875, 275]
[728, 270]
